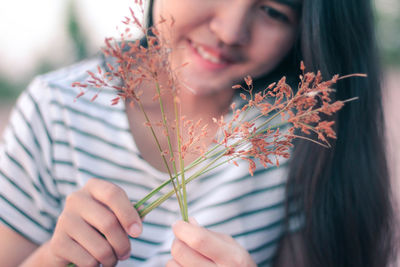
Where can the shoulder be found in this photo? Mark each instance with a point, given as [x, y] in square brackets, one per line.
[47, 87]
[44, 85]
[54, 90]
[72, 73]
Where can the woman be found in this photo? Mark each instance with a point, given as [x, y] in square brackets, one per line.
[53, 213]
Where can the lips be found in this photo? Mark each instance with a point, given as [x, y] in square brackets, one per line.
[210, 57]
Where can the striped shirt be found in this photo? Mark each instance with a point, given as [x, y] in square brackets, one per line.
[53, 145]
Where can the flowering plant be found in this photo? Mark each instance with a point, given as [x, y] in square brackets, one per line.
[245, 137]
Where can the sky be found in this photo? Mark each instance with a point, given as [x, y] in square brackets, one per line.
[33, 30]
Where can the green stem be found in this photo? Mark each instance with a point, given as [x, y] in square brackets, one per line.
[164, 120]
[151, 194]
[155, 137]
[161, 199]
[181, 162]
[169, 143]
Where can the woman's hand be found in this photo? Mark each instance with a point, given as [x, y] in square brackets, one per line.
[197, 246]
[94, 226]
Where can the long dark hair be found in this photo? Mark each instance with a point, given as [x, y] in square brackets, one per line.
[344, 192]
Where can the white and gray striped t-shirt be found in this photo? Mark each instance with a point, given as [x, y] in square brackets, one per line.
[53, 145]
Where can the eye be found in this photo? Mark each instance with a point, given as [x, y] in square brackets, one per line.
[275, 14]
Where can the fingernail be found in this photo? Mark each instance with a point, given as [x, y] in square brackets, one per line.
[126, 256]
[135, 230]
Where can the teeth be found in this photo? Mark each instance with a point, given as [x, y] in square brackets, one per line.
[204, 54]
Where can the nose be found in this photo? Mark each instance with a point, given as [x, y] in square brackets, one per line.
[231, 24]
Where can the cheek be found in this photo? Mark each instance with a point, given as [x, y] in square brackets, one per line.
[186, 14]
[269, 49]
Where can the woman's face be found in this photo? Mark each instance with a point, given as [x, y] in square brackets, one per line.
[225, 40]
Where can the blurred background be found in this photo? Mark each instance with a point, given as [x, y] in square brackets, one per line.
[43, 35]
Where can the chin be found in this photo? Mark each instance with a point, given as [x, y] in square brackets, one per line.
[207, 84]
[205, 88]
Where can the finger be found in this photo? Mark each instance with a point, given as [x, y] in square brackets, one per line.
[172, 263]
[193, 221]
[93, 242]
[207, 243]
[225, 237]
[116, 199]
[104, 221]
[71, 252]
[186, 256]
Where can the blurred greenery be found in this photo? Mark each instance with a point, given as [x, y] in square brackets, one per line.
[75, 33]
[389, 38]
[9, 90]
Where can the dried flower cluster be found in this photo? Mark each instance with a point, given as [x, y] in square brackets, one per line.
[301, 109]
[258, 138]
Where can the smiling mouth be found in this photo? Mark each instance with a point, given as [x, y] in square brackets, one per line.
[207, 56]
[211, 55]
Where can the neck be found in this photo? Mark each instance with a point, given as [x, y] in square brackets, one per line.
[206, 106]
[191, 105]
